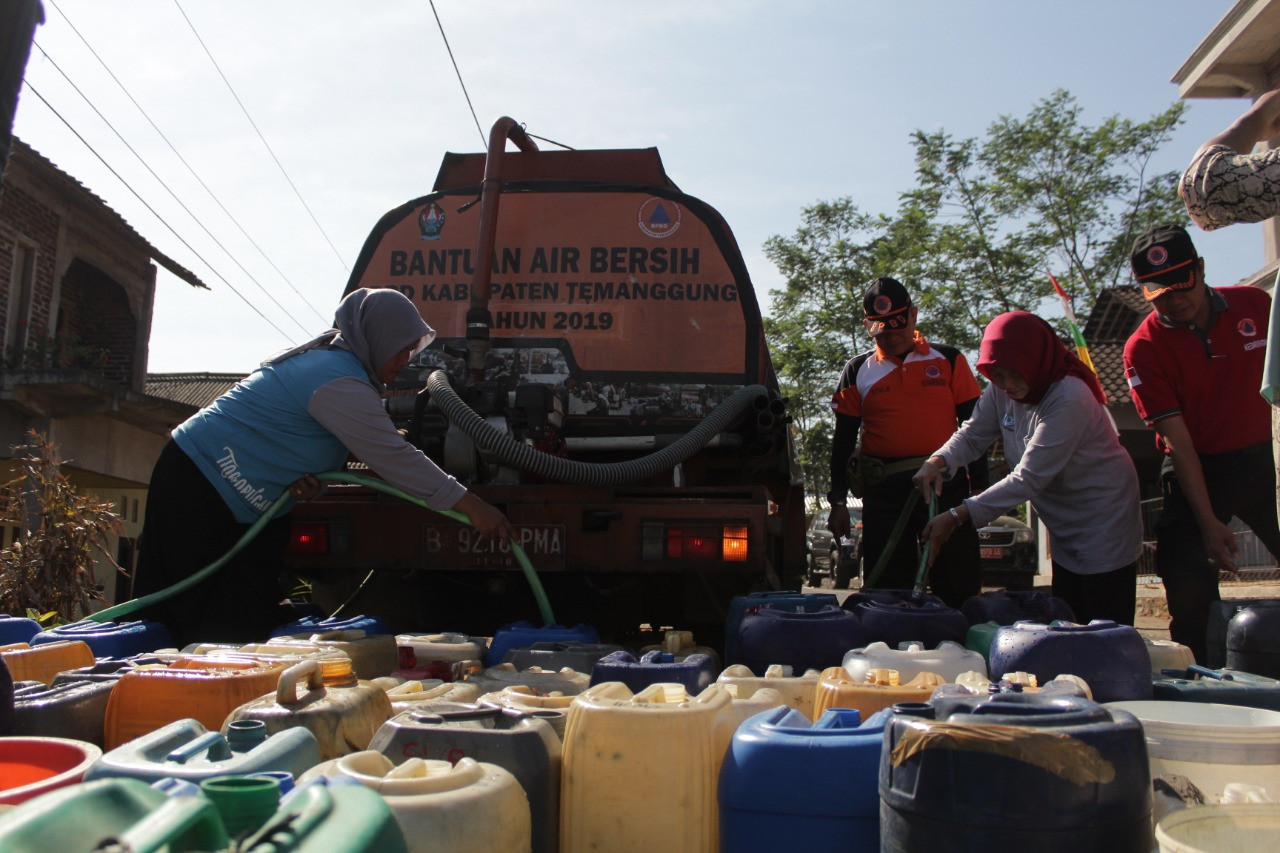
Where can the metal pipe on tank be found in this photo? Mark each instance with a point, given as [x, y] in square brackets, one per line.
[479, 319]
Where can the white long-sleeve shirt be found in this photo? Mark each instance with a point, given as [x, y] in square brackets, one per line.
[1066, 459]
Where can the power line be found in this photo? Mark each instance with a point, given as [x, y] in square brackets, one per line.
[280, 165]
[161, 219]
[174, 195]
[183, 160]
[483, 141]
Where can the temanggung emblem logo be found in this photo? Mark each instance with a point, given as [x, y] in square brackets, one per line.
[431, 221]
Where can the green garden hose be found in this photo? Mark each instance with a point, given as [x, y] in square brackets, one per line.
[133, 605]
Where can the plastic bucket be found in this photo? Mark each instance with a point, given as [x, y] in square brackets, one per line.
[1211, 744]
[30, 766]
[1240, 828]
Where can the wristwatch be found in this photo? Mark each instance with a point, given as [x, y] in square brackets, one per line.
[955, 515]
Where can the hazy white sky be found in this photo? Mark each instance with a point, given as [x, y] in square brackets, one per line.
[759, 108]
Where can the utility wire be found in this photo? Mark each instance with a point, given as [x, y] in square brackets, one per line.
[181, 204]
[183, 160]
[161, 219]
[280, 165]
[483, 141]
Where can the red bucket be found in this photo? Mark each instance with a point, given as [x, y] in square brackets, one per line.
[29, 766]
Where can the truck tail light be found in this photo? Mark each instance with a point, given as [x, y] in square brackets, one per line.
[728, 543]
[734, 545]
[309, 537]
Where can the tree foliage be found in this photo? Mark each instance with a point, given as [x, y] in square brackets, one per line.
[986, 222]
[50, 567]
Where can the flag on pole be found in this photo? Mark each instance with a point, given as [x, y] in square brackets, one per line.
[1082, 350]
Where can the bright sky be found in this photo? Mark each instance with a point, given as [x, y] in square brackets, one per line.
[759, 108]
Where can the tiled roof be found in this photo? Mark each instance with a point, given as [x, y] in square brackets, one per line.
[1115, 315]
[194, 389]
[33, 159]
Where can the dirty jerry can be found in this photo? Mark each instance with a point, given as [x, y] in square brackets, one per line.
[1015, 771]
[342, 711]
[125, 814]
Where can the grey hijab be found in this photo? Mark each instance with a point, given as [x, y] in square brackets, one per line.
[373, 324]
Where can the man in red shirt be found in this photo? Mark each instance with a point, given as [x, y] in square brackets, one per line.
[1194, 368]
[907, 396]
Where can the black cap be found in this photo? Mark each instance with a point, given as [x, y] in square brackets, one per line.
[887, 305]
[1163, 259]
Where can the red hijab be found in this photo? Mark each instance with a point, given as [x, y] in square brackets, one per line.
[1023, 342]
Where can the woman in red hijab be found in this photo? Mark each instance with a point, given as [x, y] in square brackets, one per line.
[1048, 409]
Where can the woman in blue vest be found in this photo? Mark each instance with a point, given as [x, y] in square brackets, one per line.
[300, 413]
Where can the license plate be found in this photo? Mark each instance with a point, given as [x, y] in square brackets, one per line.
[990, 553]
[457, 546]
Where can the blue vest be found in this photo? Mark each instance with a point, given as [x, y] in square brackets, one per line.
[256, 439]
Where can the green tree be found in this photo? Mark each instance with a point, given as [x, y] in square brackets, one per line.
[986, 222]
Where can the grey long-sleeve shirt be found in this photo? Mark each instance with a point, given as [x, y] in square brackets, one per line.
[352, 410]
[1065, 459]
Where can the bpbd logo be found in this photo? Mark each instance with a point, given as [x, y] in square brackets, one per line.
[932, 376]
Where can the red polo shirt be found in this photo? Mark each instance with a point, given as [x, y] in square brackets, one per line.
[1213, 382]
[908, 407]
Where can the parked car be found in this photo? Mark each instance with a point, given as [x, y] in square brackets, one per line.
[841, 563]
[1007, 549]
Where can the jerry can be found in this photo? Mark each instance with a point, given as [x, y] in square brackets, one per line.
[17, 629]
[447, 646]
[73, 710]
[553, 708]
[144, 699]
[1253, 640]
[795, 691]
[185, 749]
[425, 695]
[579, 657]
[1220, 615]
[695, 672]
[6, 700]
[680, 645]
[878, 689]
[308, 625]
[342, 711]
[1005, 607]
[113, 814]
[33, 766]
[521, 744]
[110, 669]
[1111, 658]
[1166, 654]
[785, 779]
[503, 675]
[640, 770]
[110, 639]
[1014, 771]
[740, 604]
[978, 684]
[42, 662]
[948, 660]
[329, 818]
[1221, 686]
[893, 622]
[979, 638]
[519, 635]
[799, 638]
[467, 807]
[372, 655]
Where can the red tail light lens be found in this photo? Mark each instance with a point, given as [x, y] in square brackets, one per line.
[309, 538]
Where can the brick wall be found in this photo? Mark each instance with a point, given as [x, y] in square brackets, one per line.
[24, 218]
